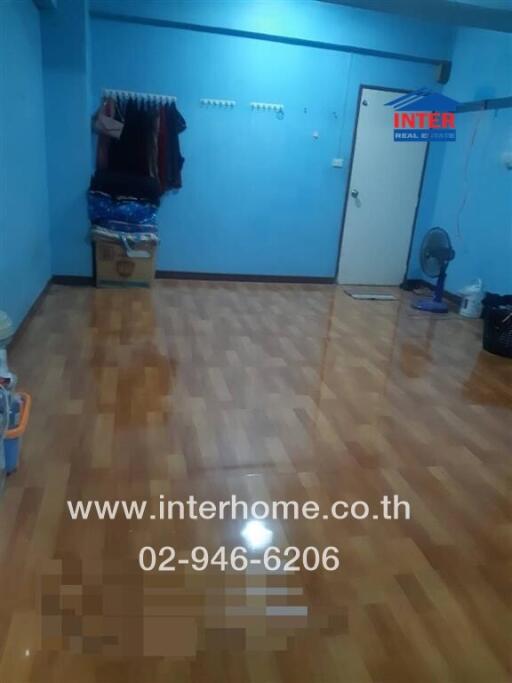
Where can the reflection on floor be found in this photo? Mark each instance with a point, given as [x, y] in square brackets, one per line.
[269, 392]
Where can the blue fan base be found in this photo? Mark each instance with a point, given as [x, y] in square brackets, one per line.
[430, 305]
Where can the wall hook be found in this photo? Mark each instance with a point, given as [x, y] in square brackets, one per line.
[226, 104]
[268, 106]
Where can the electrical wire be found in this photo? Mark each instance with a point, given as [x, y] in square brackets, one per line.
[466, 171]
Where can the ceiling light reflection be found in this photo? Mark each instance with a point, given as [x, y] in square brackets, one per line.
[257, 535]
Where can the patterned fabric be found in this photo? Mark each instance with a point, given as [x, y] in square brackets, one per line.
[127, 214]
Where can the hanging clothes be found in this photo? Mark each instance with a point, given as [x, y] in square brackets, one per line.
[131, 153]
[127, 185]
[176, 124]
[143, 158]
[106, 121]
[153, 144]
[162, 149]
[106, 111]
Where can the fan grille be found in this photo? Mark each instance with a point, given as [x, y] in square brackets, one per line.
[436, 252]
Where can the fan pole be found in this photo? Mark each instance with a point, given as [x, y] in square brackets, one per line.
[439, 290]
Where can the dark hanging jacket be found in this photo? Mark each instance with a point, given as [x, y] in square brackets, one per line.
[174, 161]
[130, 154]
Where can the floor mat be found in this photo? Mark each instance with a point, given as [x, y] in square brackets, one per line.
[371, 296]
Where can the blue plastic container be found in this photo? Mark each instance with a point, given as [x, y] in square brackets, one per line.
[12, 454]
[13, 437]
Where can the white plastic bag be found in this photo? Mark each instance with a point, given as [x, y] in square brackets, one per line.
[472, 298]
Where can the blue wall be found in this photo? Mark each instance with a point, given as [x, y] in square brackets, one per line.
[66, 79]
[24, 237]
[481, 65]
[468, 189]
[260, 195]
[296, 20]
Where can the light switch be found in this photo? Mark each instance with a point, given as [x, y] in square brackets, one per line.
[337, 163]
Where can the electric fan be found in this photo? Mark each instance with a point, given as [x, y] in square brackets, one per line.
[435, 255]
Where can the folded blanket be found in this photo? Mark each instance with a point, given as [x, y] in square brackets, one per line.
[105, 210]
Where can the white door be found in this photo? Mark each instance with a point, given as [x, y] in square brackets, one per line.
[383, 193]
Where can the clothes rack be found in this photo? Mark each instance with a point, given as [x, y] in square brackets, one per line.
[146, 97]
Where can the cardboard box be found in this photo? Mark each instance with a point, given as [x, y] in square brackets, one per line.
[114, 268]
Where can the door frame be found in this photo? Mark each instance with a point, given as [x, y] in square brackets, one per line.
[349, 178]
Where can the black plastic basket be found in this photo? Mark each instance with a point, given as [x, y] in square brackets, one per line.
[498, 330]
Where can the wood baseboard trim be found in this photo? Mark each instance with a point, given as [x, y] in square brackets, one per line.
[75, 280]
[231, 277]
[88, 281]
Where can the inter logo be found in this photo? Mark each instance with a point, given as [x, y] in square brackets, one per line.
[424, 116]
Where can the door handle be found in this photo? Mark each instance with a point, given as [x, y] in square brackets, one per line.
[354, 193]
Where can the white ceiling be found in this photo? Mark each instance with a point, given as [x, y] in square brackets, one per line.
[490, 14]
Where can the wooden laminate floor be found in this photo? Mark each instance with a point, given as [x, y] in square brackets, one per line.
[269, 392]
